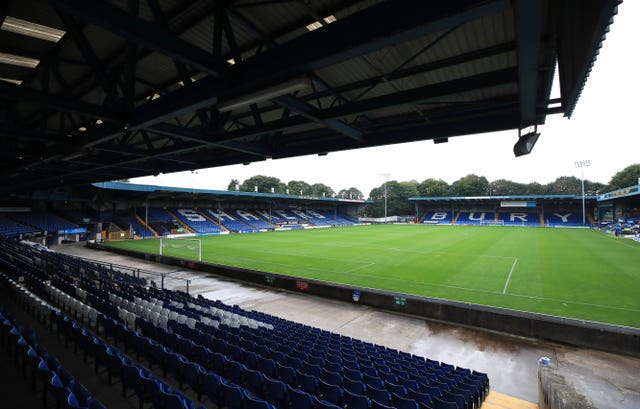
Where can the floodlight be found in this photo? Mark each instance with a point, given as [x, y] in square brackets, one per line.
[526, 143]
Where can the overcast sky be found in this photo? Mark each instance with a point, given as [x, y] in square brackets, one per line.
[602, 129]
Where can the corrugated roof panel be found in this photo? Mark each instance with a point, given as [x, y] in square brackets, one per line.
[144, 12]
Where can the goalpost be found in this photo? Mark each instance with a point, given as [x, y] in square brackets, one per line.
[185, 245]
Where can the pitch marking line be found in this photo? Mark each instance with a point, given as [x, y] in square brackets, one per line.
[504, 290]
[358, 268]
[532, 297]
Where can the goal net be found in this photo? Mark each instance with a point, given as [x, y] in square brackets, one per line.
[498, 222]
[183, 248]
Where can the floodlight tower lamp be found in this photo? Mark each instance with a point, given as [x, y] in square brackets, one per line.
[385, 176]
[582, 164]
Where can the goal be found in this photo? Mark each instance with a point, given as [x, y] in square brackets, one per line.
[184, 248]
[498, 222]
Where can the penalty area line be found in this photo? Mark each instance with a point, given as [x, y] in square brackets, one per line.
[504, 290]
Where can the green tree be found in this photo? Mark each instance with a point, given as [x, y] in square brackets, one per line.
[470, 185]
[565, 185]
[297, 186]
[351, 193]
[433, 188]
[504, 187]
[535, 188]
[265, 184]
[625, 178]
[232, 185]
[322, 190]
[398, 194]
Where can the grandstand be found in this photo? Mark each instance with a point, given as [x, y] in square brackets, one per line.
[249, 218]
[139, 229]
[524, 211]
[160, 220]
[197, 221]
[227, 356]
[228, 222]
[43, 221]
[12, 228]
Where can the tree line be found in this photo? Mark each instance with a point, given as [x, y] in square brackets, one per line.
[270, 184]
[474, 185]
[471, 185]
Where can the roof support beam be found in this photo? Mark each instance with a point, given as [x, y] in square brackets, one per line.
[528, 23]
[414, 96]
[22, 93]
[144, 34]
[190, 135]
[75, 30]
[310, 112]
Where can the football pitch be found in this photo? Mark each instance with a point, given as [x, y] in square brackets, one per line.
[575, 273]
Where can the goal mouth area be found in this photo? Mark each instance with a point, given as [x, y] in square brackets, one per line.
[181, 245]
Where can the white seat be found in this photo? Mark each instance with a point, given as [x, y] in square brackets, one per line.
[191, 323]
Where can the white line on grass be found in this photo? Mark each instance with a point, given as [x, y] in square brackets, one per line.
[532, 297]
[358, 268]
[504, 290]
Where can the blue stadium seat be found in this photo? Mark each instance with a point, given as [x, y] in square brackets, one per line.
[253, 381]
[211, 386]
[379, 395]
[299, 399]
[251, 402]
[232, 396]
[442, 404]
[321, 404]
[403, 403]
[353, 386]
[275, 391]
[286, 374]
[355, 401]
[307, 383]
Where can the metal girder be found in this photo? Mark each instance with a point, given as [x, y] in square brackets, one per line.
[162, 22]
[413, 96]
[489, 123]
[310, 112]
[410, 71]
[129, 151]
[383, 25]
[196, 136]
[528, 23]
[22, 93]
[133, 29]
[19, 132]
[422, 94]
[89, 55]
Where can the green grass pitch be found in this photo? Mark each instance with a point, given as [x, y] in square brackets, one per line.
[573, 273]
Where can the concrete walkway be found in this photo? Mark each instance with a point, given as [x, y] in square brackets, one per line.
[611, 381]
